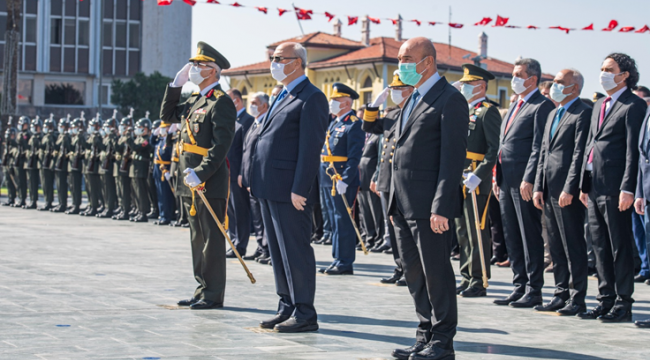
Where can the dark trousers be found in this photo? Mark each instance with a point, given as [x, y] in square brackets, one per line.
[166, 203]
[93, 190]
[141, 192]
[327, 225]
[496, 231]
[429, 277]
[294, 264]
[9, 180]
[33, 177]
[75, 187]
[20, 175]
[239, 217]
[258, 226]
[568, 248]
[182, 214]
[317, 222]
[522, 225]
[611, 232]
[208, 248]
[47, 181]
[389, 233]
[152, 193]
[344, 238]
[471, 269]
[638, 228]
[371, 217]
[62, 188]
[124, 189]
[110, 191]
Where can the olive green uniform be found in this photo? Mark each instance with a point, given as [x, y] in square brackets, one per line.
[20, 175]
[107, 171]
[75, 168]
[121, 173]
[141, 156]
[92, 148]
[45, 164]
[8, 159]
[63, 148]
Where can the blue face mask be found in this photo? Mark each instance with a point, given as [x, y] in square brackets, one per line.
[408, 73]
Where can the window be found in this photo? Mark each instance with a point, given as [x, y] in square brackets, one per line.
[69, 36]
[24, 91]
[84, 32]
[106, 94]
[28, 34]
[68, 93]
[366, 90]
[122, 38]
[503, 98]
[367, 83]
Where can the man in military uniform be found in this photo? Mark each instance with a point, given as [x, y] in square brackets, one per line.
[121, 168]
[8, 158]
[31, 161]
[20, 175]
[141, 151]
[208, 127]
[63, 147]
[175, 181]
[75, 163]
[106, 170]
[93, 146]
[162, 162]
[154, 138]
[45, 164]
[482, 146]
[340, 157]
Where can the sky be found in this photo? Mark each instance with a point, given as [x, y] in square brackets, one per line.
[242, 34]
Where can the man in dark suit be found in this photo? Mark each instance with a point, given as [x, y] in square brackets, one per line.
[430, 146]
[609, 180]
[239, 208]
[259, 107]
[642, 203]
[521, 139]
[638, 221]
[284, 166]
[207, 128]
[372, 219]
[557, 186]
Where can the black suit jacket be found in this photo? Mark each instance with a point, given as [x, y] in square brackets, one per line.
[560, 159]
[643, 178]
[244, 122]
[520, 147]
[286, 158]
[249, 144]
[615, 145]
[429, 155]
[368, 162]
[385, 126]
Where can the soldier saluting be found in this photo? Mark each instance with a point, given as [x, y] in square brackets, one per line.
[207, 129]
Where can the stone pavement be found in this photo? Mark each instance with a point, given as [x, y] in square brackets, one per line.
[84, 288]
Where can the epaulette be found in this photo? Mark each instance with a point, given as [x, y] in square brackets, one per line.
[195, 93]
[354, 118]
[486, 104]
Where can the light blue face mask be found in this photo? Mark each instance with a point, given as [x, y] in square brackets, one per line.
[408, 73]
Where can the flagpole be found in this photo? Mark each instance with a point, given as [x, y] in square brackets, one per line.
[298, 19]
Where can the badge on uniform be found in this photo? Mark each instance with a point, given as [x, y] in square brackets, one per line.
[336, 141]
[200, 111]
[340, 129]
[472, 126]
[472, 118]
[196, 128]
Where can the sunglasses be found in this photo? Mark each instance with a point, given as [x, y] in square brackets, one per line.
[280, 58]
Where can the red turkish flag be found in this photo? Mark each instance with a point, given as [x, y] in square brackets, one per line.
[213, 2]
[432, 23]
[394, 21]
[456, 25]
[164, 2]
[626, 29]
[352, 20]
[590, 27]
[612, 25]
[374, 20]
[303, 14]
[281, 11]
[643, 29]
[236, 4]
[532, 27]
[190, 2]
[501, 21]
[262, 9]
[329, 16]
[566, 30]
[484, 21]
[417, 22]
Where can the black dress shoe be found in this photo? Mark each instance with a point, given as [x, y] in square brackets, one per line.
[73, 211]
[8, 203]
[187, 302]
[205, 305]
[255, 255]
[572, 309]
[642, 323]
[494, 260]
[47, 207]
[152, 215]
[161, 222]
[31, 206]
[594, 313]
[104, 215]
[89, 213]
[140, 219]
[616, 315]
[473, 292]
[264, 261]
[506, 301]
[640, 278]
[647, 282]
[555, 304]
[121, 217]
[277, 319]
[294, 325]
[323, 269]
[460, 288]
[20, 204]
[321, 241]
[434, 353]
[335, 270]
[388, 251]
[401, 282]
[393, 279]
[527, 301]
[230, 254]
[404, 354]
[185, 224]
[377, 249]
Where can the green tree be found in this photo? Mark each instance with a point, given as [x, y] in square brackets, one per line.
[143, 93]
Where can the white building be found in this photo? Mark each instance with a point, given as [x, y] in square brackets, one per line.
[60, 60]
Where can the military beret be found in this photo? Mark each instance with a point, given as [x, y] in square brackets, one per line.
[206, 53]
[473, 73]
[340, 90]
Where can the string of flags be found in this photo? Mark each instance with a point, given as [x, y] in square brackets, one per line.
[504, 22]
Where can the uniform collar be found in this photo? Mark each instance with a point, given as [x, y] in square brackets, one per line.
[208, 88]
[342, 118]
[473, 103]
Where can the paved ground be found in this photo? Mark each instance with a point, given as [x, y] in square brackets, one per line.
[74, 287]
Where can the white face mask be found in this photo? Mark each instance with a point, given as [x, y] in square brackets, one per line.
[138, 131]
[121, 129]
[74, 131]
[46, 130]
[162, 132]
[518, 86]
[277, 70]
[102, 133]
[61, 129]
[467, 90]
[335, 107]
[195, 75]
[557, 92]
[607, 80]
[396, 96]
[254, 111]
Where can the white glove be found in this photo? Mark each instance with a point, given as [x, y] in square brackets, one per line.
[471, 181]
[156, 132]
[381, 98]
[191, 179]
[168, 176]
[457, 85]
[341, 187]
[172, 128]
[182, 76]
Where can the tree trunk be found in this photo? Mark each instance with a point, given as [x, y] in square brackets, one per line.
[10, 61]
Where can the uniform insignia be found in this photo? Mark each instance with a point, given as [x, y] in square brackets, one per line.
[196, 93]
[336, 141]
[210, 93]
[196, 128]
[472, 118]
[486, 104]
[145, 143]
[199, 111]
[353, 118]
[479, 111]
[340, 129]
[472, 126]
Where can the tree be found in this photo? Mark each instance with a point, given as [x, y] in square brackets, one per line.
[142, 92]
[10, 60]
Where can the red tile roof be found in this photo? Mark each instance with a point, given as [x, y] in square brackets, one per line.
[321, 39]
